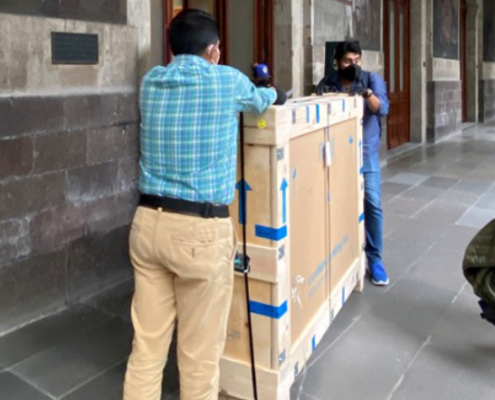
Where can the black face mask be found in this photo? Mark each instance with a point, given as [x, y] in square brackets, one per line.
[351, 73]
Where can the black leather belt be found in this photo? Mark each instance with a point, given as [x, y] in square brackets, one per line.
[205, 210]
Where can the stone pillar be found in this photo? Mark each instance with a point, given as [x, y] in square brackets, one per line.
[290, 44]
[444, 93]
[147, 17]
[472, 59]
[419, 24]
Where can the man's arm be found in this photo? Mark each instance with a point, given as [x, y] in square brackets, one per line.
[378, 102]
[249, 98]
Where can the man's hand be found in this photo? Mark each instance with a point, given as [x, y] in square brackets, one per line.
[372, 101]
[261, 75]
[281, 97]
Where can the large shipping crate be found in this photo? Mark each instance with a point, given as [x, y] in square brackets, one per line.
[304, 233]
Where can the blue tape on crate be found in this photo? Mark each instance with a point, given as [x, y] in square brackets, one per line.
[361, 218]
[307, 114]
[313, 343]
[317, 113]
[268, 310]
[361, 171]
[343, 295]
[343, 105]
[266, 232]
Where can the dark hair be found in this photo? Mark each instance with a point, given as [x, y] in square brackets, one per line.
[191, 32]
[347, 47]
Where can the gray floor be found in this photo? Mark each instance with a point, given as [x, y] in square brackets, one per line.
[420, 338]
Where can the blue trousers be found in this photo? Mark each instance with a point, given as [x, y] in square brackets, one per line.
[373, 214]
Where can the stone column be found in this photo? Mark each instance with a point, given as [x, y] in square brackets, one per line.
[290, 43]
[419, 54]
[472, 59]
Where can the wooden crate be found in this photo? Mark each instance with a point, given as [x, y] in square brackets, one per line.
[305, 236]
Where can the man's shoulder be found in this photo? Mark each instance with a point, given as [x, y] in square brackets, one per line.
[228, 71]
[374, 76]
[154, 72]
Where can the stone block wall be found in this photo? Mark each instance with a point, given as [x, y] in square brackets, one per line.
[486, 100]
[68, 173]
[444, 107]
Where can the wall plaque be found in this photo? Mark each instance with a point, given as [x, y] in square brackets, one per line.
[74, 48]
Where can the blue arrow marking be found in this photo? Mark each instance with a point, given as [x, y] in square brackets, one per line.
[243, 189]
[294, 176]
[361, 168]
[283, 188]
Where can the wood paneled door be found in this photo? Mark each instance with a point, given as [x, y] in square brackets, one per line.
[397, 70]
[217, 8]
[246, 29]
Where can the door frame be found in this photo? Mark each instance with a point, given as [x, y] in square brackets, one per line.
[263, 30]
[264, 33]
[221, 16]
[406, 59]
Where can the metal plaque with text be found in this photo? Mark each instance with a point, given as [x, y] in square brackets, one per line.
[74, 48]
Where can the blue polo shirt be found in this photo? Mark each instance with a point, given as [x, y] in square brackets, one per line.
[372, 129]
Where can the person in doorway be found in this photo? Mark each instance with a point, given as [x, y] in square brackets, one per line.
[349, 78]
[182, 242]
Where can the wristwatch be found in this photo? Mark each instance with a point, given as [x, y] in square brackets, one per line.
[368, 93]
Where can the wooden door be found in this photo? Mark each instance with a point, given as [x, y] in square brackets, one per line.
[462, 59]
[263, 26]
[264, 33]
[218, 8]
[397, 70]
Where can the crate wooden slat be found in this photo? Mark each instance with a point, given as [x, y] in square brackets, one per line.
[305, 236]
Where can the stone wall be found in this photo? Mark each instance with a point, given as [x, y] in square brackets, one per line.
[444, 109]
[68, 170]
[486, 100]
[25, 57]
[446, 70]
[68, 166]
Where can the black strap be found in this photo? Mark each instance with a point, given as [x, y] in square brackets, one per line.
[242, 195]
[205, 210]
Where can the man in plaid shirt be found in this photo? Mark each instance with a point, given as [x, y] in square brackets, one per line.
[182, 242]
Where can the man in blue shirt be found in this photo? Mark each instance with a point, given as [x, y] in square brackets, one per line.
[351, 79]
[182, 242]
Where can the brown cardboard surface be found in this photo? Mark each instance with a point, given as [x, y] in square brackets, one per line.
[237, 345]
[258, 169]
[344, 206]
[308, 209]
[321, 255]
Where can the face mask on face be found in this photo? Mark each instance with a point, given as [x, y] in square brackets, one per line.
[351, 73]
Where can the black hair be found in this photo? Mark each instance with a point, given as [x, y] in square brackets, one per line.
[347, 47]
[191, 32]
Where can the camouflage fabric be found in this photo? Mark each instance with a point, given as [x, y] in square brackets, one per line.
[479, 269]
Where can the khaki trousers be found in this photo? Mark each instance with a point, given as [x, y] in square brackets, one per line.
[183, 267]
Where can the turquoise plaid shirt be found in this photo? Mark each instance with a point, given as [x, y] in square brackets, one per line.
[189, 128]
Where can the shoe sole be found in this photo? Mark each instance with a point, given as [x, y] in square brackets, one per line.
[381, 283]
[377, 283]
